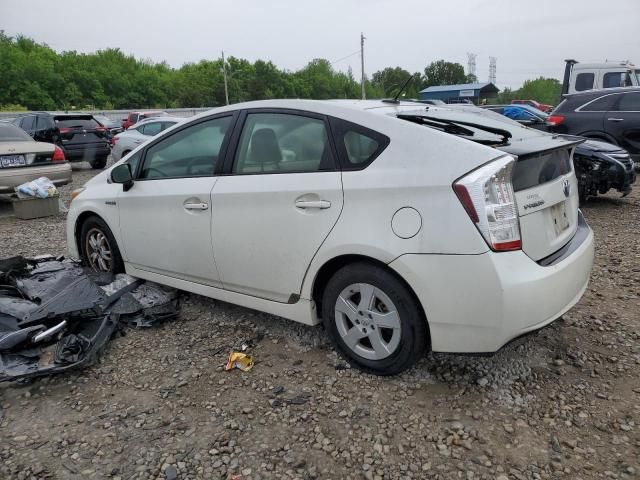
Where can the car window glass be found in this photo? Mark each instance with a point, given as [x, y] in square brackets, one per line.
[28, 123]
[601, 104]
[133, 117]
[151, 129]
[192, 152]
[166, 125]
[613, 79]
[133, 160]
[11, 133]
[71, 122]
[584, 81]
[360, 147]
[630, 102]
[43, 123]
[277, 143]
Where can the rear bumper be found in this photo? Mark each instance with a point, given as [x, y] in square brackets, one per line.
[10, 178]
[86, 152]
[478, 303]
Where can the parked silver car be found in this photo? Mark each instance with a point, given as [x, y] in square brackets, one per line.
[142, 131]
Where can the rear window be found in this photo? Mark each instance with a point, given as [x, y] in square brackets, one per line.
[534, 170]
[11, 133]
[76, 122]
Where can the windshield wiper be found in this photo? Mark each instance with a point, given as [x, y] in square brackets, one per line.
[457, 127]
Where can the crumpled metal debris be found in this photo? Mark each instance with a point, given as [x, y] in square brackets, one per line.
[55, 316]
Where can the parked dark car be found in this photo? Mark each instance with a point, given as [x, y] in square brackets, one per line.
[599, 166]
[611, 115]
[113, 127]
[80, 136]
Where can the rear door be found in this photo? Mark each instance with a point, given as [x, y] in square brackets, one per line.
[281, 197]
[547, 198]
[165, 218]
[622, 122]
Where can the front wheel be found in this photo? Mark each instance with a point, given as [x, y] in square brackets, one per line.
[98, 247]
[373, 319]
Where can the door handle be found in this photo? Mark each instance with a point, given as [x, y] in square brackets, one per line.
[196, 206]
[616, 119]
[322, 204]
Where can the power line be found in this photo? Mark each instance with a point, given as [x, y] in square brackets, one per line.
[344, 58]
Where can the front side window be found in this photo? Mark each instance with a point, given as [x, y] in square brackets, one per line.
[191, 152]
[629, 102]
[584, 81]
[283, 143]
[151, 129]
[613, 79]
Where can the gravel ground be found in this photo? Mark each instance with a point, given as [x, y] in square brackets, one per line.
[561, 403]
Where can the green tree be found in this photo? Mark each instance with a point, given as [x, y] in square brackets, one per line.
[442, 72]
[390, 81]
[544, 90]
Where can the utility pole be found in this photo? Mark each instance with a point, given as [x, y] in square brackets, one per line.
[364, 96]
[224, 74]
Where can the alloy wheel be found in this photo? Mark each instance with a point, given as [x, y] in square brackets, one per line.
[98, 250]
[367, 321]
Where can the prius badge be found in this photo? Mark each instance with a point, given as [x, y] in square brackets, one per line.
[566, 188]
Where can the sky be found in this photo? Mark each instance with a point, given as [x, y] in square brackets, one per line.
[529, 38]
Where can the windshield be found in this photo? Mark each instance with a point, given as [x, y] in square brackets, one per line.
[11, 133]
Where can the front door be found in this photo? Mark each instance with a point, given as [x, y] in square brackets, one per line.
[165, 218]
[273, 212]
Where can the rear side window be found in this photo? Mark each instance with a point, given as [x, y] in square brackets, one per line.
[43, 123]
[584, 81]
[358, 146]
[601, 104]
[283, 143]
[86, 123]
[28, 123]
[629, 102]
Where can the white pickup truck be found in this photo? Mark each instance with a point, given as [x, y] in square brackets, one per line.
[590, 76]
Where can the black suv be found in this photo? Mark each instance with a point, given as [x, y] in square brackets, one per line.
[611, 115]
[80, 136]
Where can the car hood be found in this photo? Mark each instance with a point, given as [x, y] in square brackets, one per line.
[18, 148]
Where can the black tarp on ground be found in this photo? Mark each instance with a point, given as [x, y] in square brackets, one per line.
[55, 316]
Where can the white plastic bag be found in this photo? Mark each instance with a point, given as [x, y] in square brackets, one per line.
[41, 187]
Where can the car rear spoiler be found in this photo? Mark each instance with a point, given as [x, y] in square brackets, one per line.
[541, 145]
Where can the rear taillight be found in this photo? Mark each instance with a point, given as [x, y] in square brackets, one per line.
[100, 129]
[487, 196]
[555, 120]
[65, 130]
[58, 155]
[114, 139]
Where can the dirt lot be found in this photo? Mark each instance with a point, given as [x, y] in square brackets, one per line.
[562, 403]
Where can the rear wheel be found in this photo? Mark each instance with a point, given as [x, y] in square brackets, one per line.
[98, 247]
[374, 319]
[98, 162]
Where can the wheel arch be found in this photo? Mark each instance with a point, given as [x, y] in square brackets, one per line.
[330, 267]
[77, 229]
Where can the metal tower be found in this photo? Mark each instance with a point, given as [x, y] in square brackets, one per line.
[471, 63]
[492, 69]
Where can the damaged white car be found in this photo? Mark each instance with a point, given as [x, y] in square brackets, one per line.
[402, 227]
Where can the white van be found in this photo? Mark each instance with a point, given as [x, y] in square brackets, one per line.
[589, 76]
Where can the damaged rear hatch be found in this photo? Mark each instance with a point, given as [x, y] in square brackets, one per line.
[543, 178]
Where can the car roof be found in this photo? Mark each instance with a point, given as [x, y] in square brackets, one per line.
[603, 91]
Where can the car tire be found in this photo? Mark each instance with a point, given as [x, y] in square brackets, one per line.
[98, 163]
[98, 247]
[358, 308]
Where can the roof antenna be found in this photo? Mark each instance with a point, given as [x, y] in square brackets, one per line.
[395, 99]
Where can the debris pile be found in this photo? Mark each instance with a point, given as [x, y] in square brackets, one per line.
[55, 315]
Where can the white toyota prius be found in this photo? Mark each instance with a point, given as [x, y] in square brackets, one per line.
[400, 226]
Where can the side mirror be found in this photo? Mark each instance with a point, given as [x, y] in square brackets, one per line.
[122, 174]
